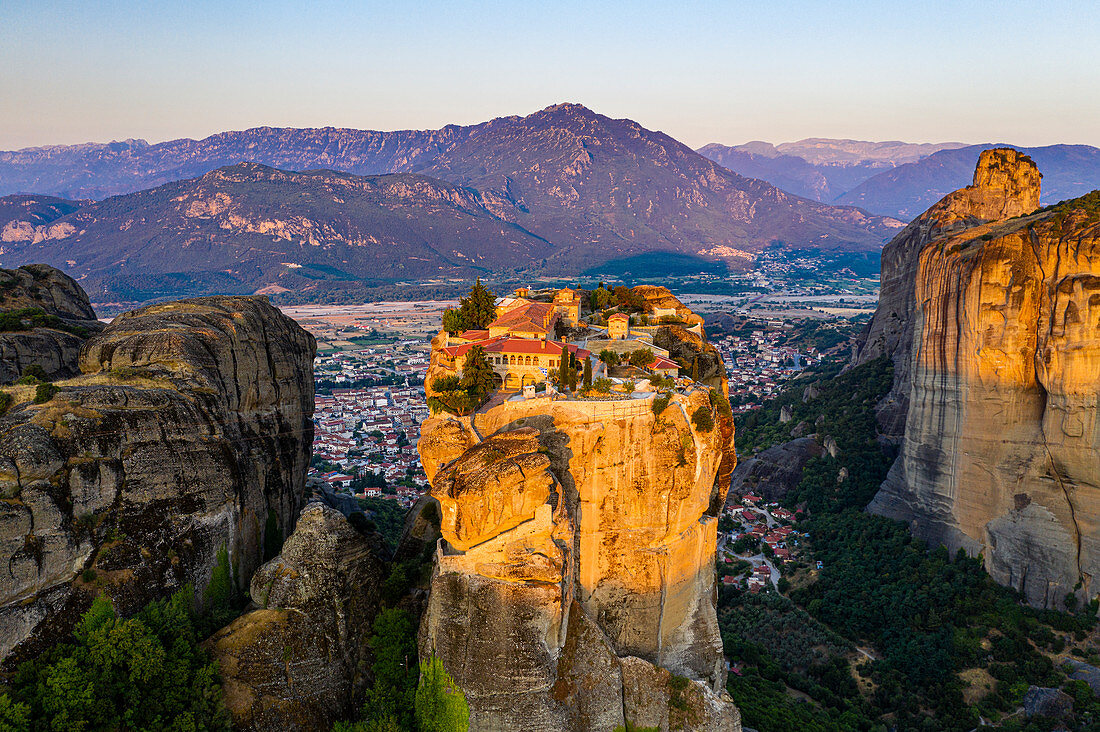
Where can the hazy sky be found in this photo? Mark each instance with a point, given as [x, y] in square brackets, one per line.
[1021, 72]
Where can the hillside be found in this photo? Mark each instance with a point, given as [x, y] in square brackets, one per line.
[556, 192]
[1068, 171]
[579, 178]
[249, 227]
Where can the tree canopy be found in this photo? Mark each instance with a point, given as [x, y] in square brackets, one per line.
[141, 673]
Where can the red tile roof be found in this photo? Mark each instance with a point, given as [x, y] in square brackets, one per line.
[505, 344]
[662, 363]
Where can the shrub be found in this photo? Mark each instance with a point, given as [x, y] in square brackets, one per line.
[628, 387]
[5, 402]
[44, 393]
[35, 371]
[602, 385]
[702, 419]
[660, 403]
[719, 401]
[88, 575]
[609, 357]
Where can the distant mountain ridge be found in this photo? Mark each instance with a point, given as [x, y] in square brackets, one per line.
[557, 191]
[906, 191]
[896, 179]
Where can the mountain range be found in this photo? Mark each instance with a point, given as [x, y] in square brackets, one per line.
[895, 178]
[553, 192]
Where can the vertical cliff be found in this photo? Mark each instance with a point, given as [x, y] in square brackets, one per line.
[576, 573]
[991, 324]
[187, 432]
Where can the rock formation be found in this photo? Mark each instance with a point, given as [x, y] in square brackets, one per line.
[296, 661]
[188, 432]
[574, 588]
[988, 312]
[774, 472]
[53, 342]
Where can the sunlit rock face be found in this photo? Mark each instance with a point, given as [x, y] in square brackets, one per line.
[578, 551]
[998, 354]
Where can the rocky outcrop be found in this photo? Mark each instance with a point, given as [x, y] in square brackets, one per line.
[297, 661]
[996, 353]
[1006, 184]
[187, 433]
[575, 577]
[694, 354]
[774, 472]
[54, 342]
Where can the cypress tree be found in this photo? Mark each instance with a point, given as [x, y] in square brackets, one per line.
[479, 308]
[587, 374]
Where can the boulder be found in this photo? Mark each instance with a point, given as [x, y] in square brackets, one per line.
[297, 661]
[55, 346]
[1046, 702]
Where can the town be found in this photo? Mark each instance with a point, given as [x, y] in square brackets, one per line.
[373, 359]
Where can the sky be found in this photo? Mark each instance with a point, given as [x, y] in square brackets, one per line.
[1026, 73]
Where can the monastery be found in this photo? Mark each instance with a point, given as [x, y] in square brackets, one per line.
[521, 347]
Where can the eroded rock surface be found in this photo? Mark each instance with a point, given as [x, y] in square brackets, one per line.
[992, 322]
[189, 428]
[55, 346]
[774, 472]
[297, 662]
[577, 562]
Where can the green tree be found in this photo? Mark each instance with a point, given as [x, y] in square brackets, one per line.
[563, 370]
[440, 704]
[609, 357]
[390, 701]
[141, 673]
[453, 322]
[479, 308]
[587, 378]
[477, 374]
[641, 358]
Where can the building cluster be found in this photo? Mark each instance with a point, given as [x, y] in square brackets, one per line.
[757, 366]
[768, 525]
[520, 343]
[400, 362]
[369, 436]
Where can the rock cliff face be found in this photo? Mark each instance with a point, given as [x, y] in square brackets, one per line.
[576, 571]
[188, 432]
[296, 662]
[54, 345]
[991, 321]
